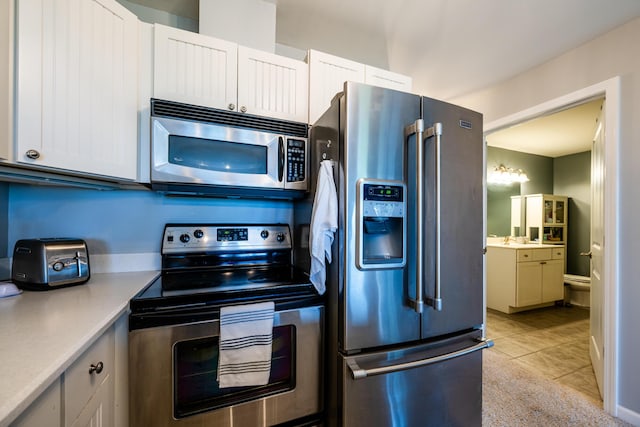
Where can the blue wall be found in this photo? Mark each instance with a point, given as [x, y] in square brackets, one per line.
[123, 221]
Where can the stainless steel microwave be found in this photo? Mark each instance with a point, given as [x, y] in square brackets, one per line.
[205, 151]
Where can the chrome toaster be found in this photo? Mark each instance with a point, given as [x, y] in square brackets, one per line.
[42, 264]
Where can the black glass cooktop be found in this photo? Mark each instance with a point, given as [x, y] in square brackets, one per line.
[219, 286]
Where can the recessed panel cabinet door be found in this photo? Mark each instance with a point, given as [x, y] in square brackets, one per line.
[194, 69]
[77, 86]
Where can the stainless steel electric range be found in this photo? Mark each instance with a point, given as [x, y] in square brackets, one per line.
[174, 330]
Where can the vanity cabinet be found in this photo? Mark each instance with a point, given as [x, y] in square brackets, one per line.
[327, 74]
[76, 87]
[521, 277]
[203, 70]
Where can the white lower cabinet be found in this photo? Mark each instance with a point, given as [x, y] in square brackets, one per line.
[90, 392]
[521, 278]
[46, 410]
[88, 384]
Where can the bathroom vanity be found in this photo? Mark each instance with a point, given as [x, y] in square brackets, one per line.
[524, 276]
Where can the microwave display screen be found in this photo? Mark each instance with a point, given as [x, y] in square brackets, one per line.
[216, 155]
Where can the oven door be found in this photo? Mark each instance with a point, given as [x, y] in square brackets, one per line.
[190, 152]
[173, 375]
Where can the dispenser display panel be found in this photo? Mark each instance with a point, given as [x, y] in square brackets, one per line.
[381, 224]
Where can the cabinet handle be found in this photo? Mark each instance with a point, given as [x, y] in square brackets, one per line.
[97, 368]
[243, 109]
[232, 106]
[526, 256]
[32, 154]
[543, 262]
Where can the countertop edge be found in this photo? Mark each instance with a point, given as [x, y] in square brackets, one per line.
[25, 393]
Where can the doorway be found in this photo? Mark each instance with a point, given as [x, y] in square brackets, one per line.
[609, 90]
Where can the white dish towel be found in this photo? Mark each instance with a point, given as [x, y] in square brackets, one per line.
[324, 223]
[246, 333]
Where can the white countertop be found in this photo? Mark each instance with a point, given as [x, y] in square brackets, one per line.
[513, 245]
[42, 333]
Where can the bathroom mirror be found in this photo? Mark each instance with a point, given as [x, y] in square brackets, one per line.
[499, 210]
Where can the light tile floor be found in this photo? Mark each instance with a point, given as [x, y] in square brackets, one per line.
[553, 341]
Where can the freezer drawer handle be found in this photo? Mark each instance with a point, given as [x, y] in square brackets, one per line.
[417, 128]
[359, 373]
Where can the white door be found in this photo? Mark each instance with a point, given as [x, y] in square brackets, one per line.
[596, 345]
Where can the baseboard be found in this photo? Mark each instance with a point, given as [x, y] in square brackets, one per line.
[629, 416]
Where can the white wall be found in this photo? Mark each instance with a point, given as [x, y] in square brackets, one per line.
[249, 23]
[151, 15]
[614, 54]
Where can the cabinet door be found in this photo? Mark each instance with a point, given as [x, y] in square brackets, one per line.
[82, 381]
[272, 85]
[77, 86]
[194, 69]
[552, 280]
[99, 410]
[384, 78]
[528, 283]
[44, 411]
[327, 74]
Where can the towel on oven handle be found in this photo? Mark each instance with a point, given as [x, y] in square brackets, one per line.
[246, 333]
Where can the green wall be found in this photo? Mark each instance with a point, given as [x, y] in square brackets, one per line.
[572, 177]
[566, 176]
[539, 169]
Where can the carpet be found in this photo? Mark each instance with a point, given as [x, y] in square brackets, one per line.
[515, 396]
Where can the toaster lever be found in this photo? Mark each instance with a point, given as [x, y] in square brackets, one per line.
[77, 258]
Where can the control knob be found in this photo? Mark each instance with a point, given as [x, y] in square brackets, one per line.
[280, 237]
[264, 234]
[198, 234]
[184, 238]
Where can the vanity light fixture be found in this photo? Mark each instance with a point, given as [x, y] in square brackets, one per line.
[506, 176]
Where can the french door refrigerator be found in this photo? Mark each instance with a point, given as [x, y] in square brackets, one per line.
[405, 289]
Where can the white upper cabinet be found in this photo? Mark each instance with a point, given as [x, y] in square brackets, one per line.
[272, 85]
[202, 70]
[77, 86]
[384, 78]
[194, 69]
[327, 74]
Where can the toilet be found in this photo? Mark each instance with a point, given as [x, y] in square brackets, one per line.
[577, 290]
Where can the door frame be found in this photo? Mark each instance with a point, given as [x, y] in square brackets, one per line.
[610, 89]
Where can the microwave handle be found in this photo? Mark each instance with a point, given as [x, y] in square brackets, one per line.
[280, 158]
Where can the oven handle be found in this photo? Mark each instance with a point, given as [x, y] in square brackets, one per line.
[358, 373]
[280, 158]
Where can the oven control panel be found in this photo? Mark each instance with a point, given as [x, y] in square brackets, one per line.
[189, 238]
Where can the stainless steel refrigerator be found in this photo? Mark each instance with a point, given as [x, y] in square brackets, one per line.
[404, 290]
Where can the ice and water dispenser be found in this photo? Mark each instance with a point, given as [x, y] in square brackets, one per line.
[381, 219]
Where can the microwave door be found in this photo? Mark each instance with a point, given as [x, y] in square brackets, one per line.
[210, 154]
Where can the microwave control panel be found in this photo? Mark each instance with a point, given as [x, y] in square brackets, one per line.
[295, 160]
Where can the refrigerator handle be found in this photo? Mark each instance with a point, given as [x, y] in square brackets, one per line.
[417, 128]
[358, 373]
[436, 131]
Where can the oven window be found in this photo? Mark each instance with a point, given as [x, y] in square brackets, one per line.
[195, 367]
[216, 155]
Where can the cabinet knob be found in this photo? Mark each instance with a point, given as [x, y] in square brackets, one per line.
[243, 109]
[232, 106]
[32, 154]
[97, 368]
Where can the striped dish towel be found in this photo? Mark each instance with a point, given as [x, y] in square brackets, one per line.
[246, 333]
